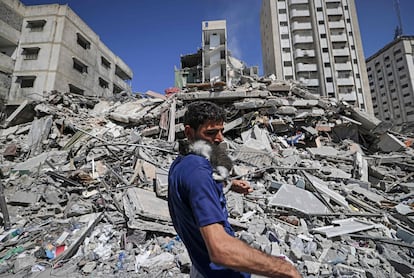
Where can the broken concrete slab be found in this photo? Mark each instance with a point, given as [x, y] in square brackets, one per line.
[322, 187]
[290, 196]
[389, 143]
[32, 164]
[343, 227]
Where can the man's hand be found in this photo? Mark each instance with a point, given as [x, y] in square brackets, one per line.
[241, 186]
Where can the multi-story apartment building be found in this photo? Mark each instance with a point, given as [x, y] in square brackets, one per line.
[48, 47]
[213, 62]
[391, 81]
[317, 43]
[11, 19]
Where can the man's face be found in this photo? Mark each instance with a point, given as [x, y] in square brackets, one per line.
[211, 132]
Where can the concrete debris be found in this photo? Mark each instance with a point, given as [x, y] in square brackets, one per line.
[85, 183]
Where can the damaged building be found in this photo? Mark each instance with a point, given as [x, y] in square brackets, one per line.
[213, 63]
[35, 60]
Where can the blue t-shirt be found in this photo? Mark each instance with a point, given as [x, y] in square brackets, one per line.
[196, 200]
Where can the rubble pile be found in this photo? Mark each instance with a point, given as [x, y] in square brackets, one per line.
[84, 184]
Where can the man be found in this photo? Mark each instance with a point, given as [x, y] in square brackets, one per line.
[198, 206]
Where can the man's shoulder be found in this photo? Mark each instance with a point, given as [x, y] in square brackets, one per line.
[193, 159]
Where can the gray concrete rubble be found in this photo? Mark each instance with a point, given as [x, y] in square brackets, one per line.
[85, 184]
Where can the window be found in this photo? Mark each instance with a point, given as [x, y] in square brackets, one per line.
[30, 53]
[26, 81]
[36, 25]
[75, 90]
[82, 41]
[323, 36]
[116, 89]
[79, 66]
[282, 11]
[105, 63]
[104, 84]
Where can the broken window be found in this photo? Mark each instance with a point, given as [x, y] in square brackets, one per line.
[105, 63]
[82, 41]
[75, 90]
[26, 81]
[121, 74]
[36, 25]
[116, 90]
[79, 66]
[30, 53]
[103, 83]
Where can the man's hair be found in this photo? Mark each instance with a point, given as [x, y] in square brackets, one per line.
[200, 112]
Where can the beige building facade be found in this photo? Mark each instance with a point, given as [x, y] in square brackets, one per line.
[318, 43]
[56, 50]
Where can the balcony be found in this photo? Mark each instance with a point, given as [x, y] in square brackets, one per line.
[294, 2]
[301, 26]
[345, 81]
[6, 63]
[309, 82]
[333, 11]
[302, 39]
[300, 53]
[348, 96]
[341, 52]
[300, 67]
[336, 24]
[338, 38]
[299, 13]
[343, 66]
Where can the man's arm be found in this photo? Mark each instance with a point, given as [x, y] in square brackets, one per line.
[231, 252]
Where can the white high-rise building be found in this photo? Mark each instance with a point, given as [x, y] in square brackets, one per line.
[319, 44]
[391, 80]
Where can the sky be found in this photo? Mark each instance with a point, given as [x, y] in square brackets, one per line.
[151, 35]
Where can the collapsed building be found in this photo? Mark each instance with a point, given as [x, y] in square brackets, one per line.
[85, 186]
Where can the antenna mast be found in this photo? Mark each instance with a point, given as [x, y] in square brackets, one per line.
[399, 29]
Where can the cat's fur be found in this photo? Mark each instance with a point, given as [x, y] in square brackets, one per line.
[216, 154]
